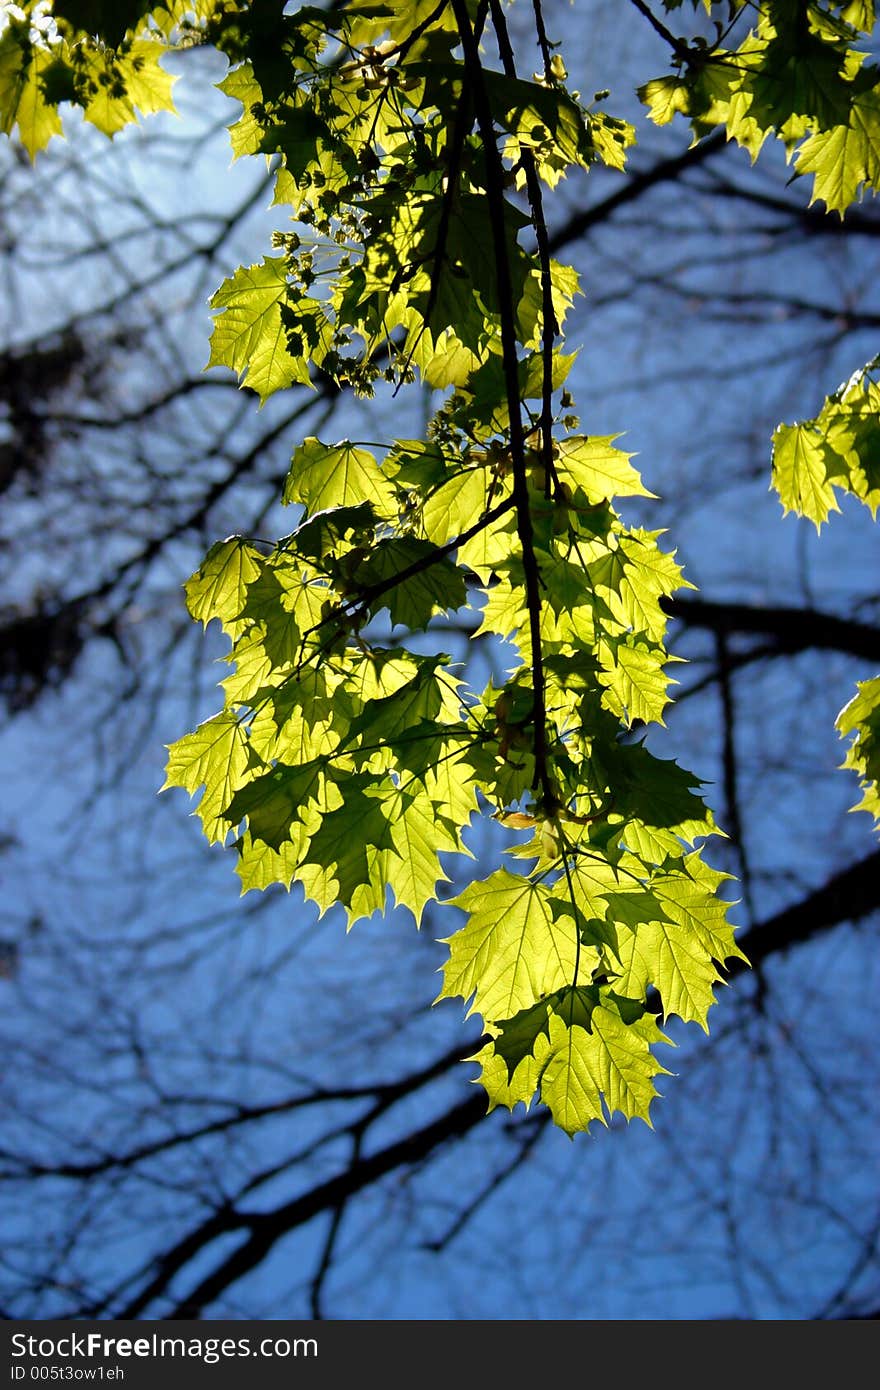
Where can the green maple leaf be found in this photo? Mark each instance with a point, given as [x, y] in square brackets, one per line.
[269, 612]
[466, 284]
[442, 360]
[840, 448]
[260, 867]
[501, 1086]
[512, 951]
[391, 716]
[593, 880]
[296, 135]
[322, 533]
[213, 756]
[350, 842]
[635, 680]
[294, 723]
[565, 284]
[633, 577]
[598, 469]
[324, 476]
[128, 83]
[800, 474]
[421, 746]
[413, 868]
[273, 802]
[612, 1062]
[457, 503]
[22, 100]
[437, 588]
[805, 80]
[611, 138]
[539, 117]
[517, 1037]
[246, 135]
[667, 956]
[845, 157]
[484, 395]
[860, 13]
[657, 792]
[665, 97]
[109, 18]
[489, 550]
[689, 897]
[452, 786]
[249, 336]
[510, 1071]
[586, 1049]
[862, 718]
[502, 612]
[219, 587]
[711, 93]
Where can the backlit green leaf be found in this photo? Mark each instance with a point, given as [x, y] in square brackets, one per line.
[249, 336]
[862, 718]
[512, 951]
[336, 475]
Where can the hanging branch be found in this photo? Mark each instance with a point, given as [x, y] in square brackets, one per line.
[353, 763]
[550, 327]
[495, 196]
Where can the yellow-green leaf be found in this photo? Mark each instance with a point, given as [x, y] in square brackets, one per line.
[22, 102]
[512, 950]
[249, 336]
[600, 470]
[862, 718]
[612, 1062]
[128, 83]
[799, 472]
[218, 589]
[213, 756]
[335, 475]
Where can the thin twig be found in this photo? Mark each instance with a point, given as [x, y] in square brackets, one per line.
[729, 764]
[355, 607]
[678, 46]
[543, 41]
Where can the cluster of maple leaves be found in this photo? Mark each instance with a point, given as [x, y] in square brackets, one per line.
[348, 756]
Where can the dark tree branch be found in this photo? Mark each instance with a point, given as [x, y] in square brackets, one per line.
[360, 603]
[811, 219]
[267, 1228]
[325, 1264]
[664, 171]
[543, 41]
[678, 46]
[847, 897]
[792, 629]
[385, 1093]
